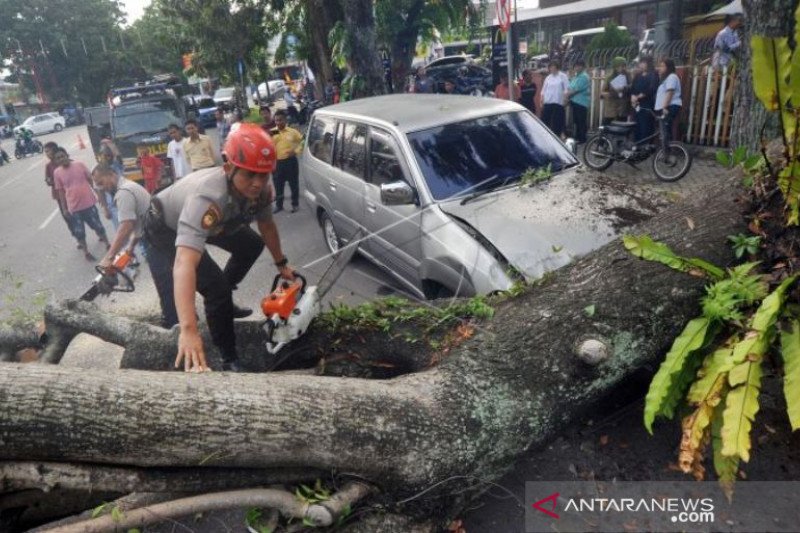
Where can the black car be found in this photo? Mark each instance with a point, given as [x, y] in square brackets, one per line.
[469, 78]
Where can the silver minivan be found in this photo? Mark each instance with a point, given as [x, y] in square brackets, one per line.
[457, 195]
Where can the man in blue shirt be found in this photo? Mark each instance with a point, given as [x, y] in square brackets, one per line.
[727, 42]
[579, 99]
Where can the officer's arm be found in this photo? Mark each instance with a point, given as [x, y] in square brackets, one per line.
[269, 233]
[120, 239]
[190, 345]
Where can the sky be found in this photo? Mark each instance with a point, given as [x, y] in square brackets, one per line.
[134, 8]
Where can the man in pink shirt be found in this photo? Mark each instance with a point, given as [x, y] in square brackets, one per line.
[73, 184]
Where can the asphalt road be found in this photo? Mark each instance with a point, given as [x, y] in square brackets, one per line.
[39, 261]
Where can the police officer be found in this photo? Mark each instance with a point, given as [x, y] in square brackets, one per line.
[214, 206]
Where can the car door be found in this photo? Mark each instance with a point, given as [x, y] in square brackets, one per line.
[394, 231]
[38, 126]
[345, 182]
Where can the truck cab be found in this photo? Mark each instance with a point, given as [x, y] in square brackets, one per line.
[140, 117]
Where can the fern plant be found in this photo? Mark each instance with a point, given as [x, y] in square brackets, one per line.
[776, 82]
[714, 366]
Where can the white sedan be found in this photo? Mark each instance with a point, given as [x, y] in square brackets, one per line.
[45, 123]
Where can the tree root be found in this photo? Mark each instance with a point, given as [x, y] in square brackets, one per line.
[126, 503]
[45, 476]
[322, 515]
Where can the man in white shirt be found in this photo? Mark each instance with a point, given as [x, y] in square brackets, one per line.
[176, 153]
[554, 93]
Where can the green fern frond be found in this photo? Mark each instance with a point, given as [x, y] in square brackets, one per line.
[790, 351]
[690, 340]
[741, 406]
[644, 247]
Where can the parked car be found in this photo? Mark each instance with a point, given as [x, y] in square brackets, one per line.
[469, 78]
[224, 97]
[444, 188]
[459, 59]
[203, 108]
[45, 123]
[277, 88]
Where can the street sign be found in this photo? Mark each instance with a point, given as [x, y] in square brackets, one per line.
[523, 47]
[504, 14]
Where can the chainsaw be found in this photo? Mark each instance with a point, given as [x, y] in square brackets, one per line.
[292, 305]
[112, 279]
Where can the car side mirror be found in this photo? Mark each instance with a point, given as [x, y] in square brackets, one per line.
[397, 193]
[572, 145]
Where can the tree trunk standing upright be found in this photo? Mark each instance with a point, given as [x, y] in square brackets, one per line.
[761, 17]
[404, 45]
[321, 16]
[359, 22]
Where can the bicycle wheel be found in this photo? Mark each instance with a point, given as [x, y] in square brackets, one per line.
[672, 163]
[598, 152]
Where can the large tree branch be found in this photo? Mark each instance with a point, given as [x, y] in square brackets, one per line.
[514, 383]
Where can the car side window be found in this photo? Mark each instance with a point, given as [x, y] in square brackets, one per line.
[320, 138]
[352, 154]
[384, 162]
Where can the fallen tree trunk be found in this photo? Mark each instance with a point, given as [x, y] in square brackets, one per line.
[519, 378]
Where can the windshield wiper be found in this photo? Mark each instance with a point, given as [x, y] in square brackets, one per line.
[478, 194]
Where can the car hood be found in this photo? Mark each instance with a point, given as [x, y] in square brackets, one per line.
[546, 226]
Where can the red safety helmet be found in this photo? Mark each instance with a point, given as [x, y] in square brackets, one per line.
[251, 148]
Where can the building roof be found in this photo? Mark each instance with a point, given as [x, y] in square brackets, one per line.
[582, 6]
[414, 112]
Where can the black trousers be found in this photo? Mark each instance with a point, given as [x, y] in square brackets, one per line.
[554, 117]
[215, 284]
[287, 171]
[579, 114]
[645, 124]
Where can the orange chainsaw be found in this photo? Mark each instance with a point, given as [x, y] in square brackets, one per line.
[292, 305]
[112, 279]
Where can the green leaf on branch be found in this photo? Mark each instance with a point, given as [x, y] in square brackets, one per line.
[790, 351]
[664, 385]
[789, 183]
[644, 247]
[772, 65]
[589, 310]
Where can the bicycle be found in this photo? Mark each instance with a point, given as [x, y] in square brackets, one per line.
[671, 160]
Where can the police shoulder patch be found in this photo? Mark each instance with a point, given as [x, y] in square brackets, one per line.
[211, 217]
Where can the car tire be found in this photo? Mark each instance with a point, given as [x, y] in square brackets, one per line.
[436, 291]
[332, 240]
[57, 128]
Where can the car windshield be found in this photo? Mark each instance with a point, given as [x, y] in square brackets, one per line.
[466, 157]
[145, 117]
[28, 121]
[206, 102]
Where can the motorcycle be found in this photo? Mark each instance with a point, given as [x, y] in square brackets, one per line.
[24, 149]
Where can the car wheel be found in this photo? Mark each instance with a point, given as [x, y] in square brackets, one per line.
[58, 127]
[436, 291]
[332, 240]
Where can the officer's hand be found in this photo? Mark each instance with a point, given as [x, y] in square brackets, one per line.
[190, 351]
[106, 263]
[287, 272]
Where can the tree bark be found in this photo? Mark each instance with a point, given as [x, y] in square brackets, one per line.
[359, 21]
[771, 18]
[404, 45]
[514, 383]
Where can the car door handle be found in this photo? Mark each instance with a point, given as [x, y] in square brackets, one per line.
[332, 185]
[371, 207]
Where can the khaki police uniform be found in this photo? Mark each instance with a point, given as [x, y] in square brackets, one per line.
[198, 210]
